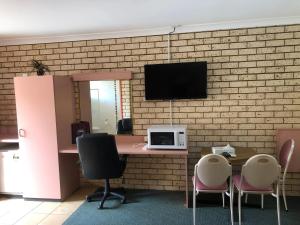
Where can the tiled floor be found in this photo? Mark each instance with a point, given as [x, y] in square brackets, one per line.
[15, 210]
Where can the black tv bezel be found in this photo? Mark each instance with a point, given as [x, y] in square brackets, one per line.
[204, 96]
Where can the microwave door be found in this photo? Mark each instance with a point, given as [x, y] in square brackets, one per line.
[162, 138]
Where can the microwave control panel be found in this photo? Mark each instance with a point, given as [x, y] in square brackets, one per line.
[181, 138]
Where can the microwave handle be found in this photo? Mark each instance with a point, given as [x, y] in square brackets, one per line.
[176, 138]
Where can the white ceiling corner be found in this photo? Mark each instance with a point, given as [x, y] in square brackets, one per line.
[36, 21]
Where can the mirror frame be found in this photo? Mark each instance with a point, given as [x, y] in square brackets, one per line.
[115, 75]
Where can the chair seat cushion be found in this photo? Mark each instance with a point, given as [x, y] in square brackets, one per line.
[200, 186]
[245, 186]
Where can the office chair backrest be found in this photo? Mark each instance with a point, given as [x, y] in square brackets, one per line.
[98, 156]
[79, 128]
[124, 126]
[127, 124]
[286, 153]
[261, 171]
[213, 170]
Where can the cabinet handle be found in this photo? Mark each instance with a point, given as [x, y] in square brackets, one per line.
[16, 156]
[21, 132]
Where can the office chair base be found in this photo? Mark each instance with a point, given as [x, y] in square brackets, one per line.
[111, 195]
[96, 196]
[106, 194]
[99, 192]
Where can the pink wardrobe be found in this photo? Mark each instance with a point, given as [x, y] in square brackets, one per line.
[45, 111]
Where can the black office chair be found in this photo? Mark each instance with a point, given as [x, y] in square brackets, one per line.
[124, 126]
[100, 160]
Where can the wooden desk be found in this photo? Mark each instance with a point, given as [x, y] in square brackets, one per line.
[242, 155]
[135, 145]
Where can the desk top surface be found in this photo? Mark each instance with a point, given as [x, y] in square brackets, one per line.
[242, 154]
[132, 145]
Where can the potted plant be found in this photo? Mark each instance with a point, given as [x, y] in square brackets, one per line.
[39, 67]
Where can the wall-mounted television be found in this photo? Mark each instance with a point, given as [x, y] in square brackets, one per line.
[169, 81]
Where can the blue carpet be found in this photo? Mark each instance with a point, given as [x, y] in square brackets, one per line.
[166, 208]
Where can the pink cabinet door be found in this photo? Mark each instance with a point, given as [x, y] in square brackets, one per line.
[37, 136]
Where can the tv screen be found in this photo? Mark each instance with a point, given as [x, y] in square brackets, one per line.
[176, 81]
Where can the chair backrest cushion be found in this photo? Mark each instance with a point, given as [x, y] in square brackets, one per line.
[261, 171]
[213, 170]
[99, 156]
[286, 152]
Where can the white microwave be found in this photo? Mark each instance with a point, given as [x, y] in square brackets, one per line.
[167, 137]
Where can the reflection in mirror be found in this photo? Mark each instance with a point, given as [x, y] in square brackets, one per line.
[105, 104]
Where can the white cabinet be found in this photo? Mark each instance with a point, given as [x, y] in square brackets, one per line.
[10, 169]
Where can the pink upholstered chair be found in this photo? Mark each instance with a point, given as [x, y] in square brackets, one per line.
[259, 175]
[210, 176]
[285, 156]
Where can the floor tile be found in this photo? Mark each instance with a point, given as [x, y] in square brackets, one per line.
[11, 217]
[14, 210]
[32, 219]
[57, 219]
[46, 207]
[80, 194]
[67, 207]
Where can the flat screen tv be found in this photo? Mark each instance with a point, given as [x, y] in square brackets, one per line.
[176, 81]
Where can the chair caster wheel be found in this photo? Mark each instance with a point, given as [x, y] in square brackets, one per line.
[88, 199]
[123, 201]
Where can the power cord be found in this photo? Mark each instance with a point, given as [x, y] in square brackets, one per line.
[169, 60]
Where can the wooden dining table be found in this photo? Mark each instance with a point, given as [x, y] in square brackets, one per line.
[242, 155]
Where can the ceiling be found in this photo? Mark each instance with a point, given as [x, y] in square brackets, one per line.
[24, 21]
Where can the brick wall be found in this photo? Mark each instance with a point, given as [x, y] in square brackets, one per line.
[125, 92]
[253, 89]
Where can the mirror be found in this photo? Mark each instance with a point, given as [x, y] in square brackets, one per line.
[105, 104]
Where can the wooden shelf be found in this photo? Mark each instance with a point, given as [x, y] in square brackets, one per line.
[9, 138]
[6, 147]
